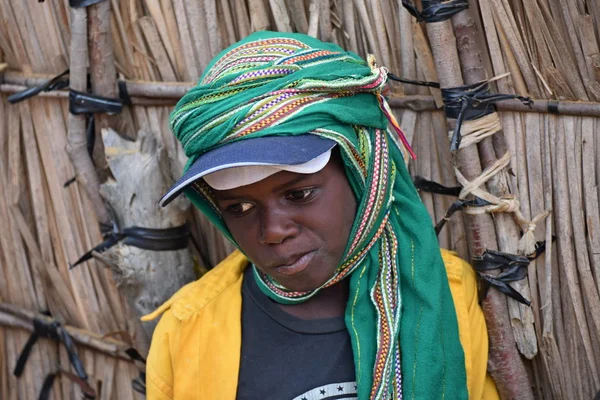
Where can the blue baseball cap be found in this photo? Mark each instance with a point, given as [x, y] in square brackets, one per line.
[247, 161]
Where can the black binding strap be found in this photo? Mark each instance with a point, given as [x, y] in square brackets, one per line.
[54, 331]
[135, 355]
[413, 82]
[469, 102]
[459, 205]
[435, 10]
[82, 3]
[434, 187]
[123, 93]
[87, 391]
[139, 383]
[83, 103]
[553, 107]
[60, 81]
[513, 267]
[144, 238]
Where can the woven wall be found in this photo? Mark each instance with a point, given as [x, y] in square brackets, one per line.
[548, 47]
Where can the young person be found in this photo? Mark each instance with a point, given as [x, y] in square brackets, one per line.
[339, 289]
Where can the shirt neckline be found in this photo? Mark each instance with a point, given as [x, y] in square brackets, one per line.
[288, 321]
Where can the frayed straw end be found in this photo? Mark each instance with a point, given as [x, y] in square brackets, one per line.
[526, 244]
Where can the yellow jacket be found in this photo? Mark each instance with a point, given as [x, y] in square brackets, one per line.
[195, 351]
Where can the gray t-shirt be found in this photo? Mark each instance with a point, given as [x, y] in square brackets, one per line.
[285, 357]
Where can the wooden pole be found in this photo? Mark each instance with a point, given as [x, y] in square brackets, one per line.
[509, 369]
[505, 364]
[76, 138]
[168, 93]
[16, 317]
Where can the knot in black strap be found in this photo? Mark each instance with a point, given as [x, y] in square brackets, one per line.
[435, 10]
[513, 267]
[54, 331]
[469, 102]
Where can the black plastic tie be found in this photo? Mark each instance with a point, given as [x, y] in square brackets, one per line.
[413, 82]
[553, 107]
[123, 93]
[176, 238]
[54, 331]
[470, 102]
[428, 186]
[513, 268]
[56, 83]
[459, 205]
[435, 10]
[84, 103]
[83, 3]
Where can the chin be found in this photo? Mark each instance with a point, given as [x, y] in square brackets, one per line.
[299, 285]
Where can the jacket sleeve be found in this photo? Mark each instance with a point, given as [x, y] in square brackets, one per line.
[159, 366]
[471, 325]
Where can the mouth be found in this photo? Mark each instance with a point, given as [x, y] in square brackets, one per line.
[297, 266]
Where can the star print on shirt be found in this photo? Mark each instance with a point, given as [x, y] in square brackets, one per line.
[337, 391]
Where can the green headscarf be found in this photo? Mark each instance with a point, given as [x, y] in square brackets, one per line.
[400, 314]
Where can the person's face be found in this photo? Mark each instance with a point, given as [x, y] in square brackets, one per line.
[294, 227]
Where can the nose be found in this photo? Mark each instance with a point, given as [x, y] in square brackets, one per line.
[276, 225]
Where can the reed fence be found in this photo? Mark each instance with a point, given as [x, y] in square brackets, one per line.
[545, 49]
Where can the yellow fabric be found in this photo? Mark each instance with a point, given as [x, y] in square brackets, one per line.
[195, 351]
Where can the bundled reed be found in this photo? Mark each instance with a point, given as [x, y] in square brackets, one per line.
[160, 47]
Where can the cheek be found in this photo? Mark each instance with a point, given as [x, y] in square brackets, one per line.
[339, 220]
[244, 231]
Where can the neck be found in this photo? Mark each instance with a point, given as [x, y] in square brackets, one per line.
[328, 303]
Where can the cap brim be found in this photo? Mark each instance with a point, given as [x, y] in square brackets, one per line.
[269, 150]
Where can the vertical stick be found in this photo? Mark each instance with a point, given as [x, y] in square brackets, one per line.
[190, 70]
[349, 25]
[77, 142]
[103, 75]
[242, 18]
[313, 20]
[280, 15]
[590, 182]
[373, 46]
[174, 40]
[197, 24]
[228, 21]
[212, 27]
[324, 20]
[564, 231]
[259, 17]
[298, 14]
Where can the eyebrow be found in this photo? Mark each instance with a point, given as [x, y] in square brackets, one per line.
[297, 179]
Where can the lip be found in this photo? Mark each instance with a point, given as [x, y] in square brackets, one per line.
[297, 266]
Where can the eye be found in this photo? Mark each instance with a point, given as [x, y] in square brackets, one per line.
[239, 208]
[300, 195]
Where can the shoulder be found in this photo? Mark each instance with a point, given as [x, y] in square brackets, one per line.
[471, 325]
[196, 295]
[460, 274]
[202, 316]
